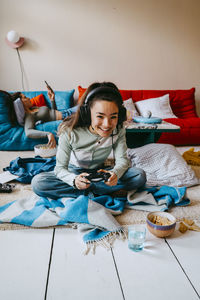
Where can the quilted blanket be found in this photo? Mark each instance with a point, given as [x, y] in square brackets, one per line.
[93, 216]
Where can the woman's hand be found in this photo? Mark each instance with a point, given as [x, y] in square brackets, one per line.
[112, 180]
[81, 182]
[51, 94]
[52, 140]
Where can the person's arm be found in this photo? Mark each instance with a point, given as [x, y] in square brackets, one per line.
[62, 160]
[122, 162]
[51, 96]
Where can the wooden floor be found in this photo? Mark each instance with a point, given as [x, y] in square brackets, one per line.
[49, 264]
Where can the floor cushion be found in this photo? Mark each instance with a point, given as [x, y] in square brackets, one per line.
[171, 170]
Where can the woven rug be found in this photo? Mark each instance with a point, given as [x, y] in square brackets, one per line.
[128, 217]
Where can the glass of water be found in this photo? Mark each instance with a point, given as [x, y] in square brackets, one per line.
[136, 237]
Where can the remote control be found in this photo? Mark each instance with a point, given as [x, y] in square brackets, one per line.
[5, 188]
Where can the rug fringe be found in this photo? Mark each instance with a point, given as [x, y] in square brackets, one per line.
[106, 242]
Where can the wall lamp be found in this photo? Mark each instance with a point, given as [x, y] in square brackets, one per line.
[14, 40]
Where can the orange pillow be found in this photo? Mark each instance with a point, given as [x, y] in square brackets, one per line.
[38, 100]
[81, 92]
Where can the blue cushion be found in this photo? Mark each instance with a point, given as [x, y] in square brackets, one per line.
[14, 138]
[63, 99]
[3, 110]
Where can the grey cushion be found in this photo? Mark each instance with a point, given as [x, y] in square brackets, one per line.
[19, 111]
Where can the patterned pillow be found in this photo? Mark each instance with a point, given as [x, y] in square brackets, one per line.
[171, 170]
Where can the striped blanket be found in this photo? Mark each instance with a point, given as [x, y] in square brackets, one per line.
[93, 216]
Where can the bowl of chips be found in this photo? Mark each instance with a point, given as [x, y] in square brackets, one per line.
[44, 150]
[161, 224]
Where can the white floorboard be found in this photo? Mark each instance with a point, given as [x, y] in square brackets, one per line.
[186, 247]
[74, 276]
[153, 273]
[24, 259]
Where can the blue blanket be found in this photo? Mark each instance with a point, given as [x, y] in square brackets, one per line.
[92, 215]
[27, 168]
[93, 219]
[157, 198]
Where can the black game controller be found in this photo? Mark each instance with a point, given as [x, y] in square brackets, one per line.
[98, 176]
[5, 188]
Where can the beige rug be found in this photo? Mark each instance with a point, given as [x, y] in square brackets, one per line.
[128, 217]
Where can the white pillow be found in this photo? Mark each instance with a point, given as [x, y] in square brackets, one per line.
[159, 107]
[163, 165]
[131, 109]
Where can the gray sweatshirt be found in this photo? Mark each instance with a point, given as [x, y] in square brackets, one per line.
[84, 149]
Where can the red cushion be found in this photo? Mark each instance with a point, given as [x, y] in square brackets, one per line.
[182, 101]
[126, 94]
[188, 135]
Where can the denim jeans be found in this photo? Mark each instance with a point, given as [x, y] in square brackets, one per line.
[46, 184]
[68, 112]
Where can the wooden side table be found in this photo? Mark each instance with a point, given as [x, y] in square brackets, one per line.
[140, 134]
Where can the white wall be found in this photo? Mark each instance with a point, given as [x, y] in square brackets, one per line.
[138, 44]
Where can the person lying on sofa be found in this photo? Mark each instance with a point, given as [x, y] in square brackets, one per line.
[23, 110]
[86, 139]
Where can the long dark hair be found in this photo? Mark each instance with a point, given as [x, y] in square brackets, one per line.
[75, 120]
[10, 98]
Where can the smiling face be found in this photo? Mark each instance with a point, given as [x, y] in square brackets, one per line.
[104, 117]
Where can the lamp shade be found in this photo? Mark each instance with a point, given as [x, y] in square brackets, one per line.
[13, 36]
[14, 40]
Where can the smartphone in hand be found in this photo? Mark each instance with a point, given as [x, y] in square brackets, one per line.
[48, 86]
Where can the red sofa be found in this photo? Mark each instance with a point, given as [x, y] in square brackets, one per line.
[182, 103]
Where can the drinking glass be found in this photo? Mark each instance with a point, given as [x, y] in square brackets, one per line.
[136, 237]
